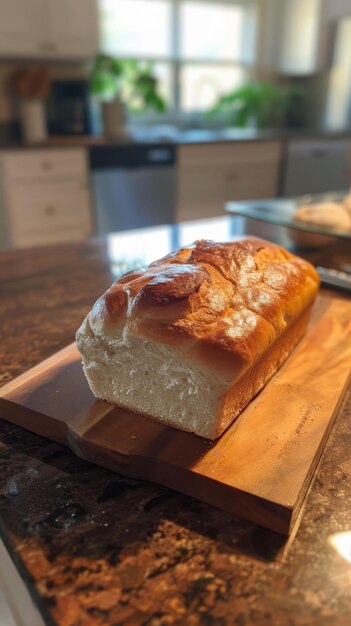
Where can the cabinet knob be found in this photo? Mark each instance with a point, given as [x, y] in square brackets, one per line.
[47, 46]
[231, 176]
[46, 166]
[44, 45]
[50, 210]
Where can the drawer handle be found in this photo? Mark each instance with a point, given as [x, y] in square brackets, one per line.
[48, 46]
[230, 176]
[50, 210]
[46, 166]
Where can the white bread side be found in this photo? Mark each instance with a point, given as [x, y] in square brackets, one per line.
[152, 379]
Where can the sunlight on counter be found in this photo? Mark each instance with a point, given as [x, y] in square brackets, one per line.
[219, 229]
[341, 542]
[136, 248]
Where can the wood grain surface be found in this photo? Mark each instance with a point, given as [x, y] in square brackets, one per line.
[260, 468]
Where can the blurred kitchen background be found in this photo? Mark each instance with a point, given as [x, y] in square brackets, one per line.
[121, 114]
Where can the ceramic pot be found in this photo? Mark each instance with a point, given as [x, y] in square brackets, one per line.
[114, 119]
[33, 120]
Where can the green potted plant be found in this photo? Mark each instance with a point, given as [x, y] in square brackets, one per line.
[121, 84]
[259, 105]
[105, 85]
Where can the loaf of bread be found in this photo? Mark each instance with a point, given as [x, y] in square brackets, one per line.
[331, 215]
[192, 338]
[347, 203]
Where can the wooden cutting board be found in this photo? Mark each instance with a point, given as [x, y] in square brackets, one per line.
[260, 468]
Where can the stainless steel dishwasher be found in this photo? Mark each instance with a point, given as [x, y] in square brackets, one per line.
[133, 186]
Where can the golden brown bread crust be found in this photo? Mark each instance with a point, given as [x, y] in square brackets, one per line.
[227, 303]
[254, 379]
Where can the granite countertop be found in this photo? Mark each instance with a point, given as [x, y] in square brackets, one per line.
[170, 135]
[98, 549]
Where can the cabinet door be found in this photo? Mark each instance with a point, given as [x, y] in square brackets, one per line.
[50, 214]
[20, 26]
[200, 193]
[74, 28]
[211, 175]
[317, 166]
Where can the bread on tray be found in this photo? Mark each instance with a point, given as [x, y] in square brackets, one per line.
[191, 339]
[332, 215]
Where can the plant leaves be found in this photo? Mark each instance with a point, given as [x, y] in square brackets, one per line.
[262, 104]
[133, 80]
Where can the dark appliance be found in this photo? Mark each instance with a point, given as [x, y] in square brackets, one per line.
[68, 108]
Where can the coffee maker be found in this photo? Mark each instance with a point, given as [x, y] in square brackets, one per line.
[68, 108]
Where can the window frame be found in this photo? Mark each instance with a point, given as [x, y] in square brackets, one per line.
[175, 61]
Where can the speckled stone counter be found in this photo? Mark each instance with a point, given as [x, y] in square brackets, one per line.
[95, 548]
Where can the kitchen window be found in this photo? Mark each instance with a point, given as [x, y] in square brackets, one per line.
[200, 49]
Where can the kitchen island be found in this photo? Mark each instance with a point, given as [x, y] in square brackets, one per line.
[95, 548]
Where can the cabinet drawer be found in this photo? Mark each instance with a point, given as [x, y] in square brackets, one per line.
[203, 186]
[50, 215]
[222, 154]
[203, 191]
[254, 182]
[221, 184]
[40, 166]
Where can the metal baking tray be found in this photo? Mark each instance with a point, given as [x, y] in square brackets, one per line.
[281, 211]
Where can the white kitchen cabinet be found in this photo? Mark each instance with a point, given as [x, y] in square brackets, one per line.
[74, 27]
[299, 37]
[208, 175]
[49, 29]
[20, 27]
[316, 165]
[45, 197]
[44, 166]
